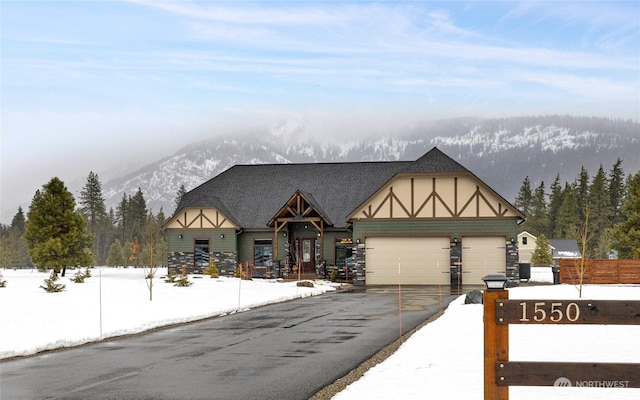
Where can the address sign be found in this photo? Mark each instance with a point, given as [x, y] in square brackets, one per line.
[513, 311]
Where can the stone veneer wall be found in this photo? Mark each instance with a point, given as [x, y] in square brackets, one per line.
[225, 261]
[513, 264]
[358, 261]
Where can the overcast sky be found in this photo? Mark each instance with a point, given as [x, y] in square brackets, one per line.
[90, 85]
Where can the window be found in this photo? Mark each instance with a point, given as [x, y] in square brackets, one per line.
[201, 252]
[263, 252]
[306, 251]
[344, 252]
[524, 240]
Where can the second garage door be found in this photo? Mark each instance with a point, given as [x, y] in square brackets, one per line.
[412, 260]
[482, 256]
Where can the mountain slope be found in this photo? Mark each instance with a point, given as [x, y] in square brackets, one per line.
[502, 152]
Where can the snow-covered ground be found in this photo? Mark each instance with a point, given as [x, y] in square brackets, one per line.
[443, 360]
[116, 302]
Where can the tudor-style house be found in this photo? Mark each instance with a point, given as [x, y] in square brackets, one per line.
[425, 222]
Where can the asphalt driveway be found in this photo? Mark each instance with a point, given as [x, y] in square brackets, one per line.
[281, 351]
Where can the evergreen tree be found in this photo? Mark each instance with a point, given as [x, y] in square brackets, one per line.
[524, 199]
[55, 233]
[93, 209]
[6, 253]
[18, 222]
[116, 256]
[159, 222]
[138, 216]
[538, 223]
[542, 253]
[161, 248]
[627, 234]
[179, 195]
[555, 202]
[160, 251]
[605, 244]
[601, 211]
[616, 191]
[92, 202]
[13, 248]
[122, 216]
[21, 253]
[582, 191]
[568, 220]
[112, 223]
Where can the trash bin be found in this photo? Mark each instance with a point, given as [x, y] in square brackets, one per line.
[525, 271]
[556, 275]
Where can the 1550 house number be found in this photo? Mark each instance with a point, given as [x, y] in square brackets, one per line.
[554, 311]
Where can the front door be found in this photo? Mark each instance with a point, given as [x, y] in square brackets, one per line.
[306, 254]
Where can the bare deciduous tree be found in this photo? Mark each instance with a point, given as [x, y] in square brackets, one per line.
[151, 269]
[583, 238]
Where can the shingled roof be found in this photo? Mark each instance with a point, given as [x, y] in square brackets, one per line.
[434, 161]
[251, 195]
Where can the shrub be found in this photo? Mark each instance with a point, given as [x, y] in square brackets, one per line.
[334, 275]
[212, 270]
[171, 276]
[79, 277]
[3, 282]
[183, 281]
[51, 285]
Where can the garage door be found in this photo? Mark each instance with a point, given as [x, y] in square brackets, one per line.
[420, 260]
[482, 256]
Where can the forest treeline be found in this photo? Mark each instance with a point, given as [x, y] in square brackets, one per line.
[604, 210]
[57, 231]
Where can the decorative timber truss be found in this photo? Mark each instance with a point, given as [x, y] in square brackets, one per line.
[427, 197]
[200, 218]
[301, 207]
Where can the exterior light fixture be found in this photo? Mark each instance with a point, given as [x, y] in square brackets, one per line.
[180, 236]
[357, 241]
[495, 282]
[222, 236]
[284, 234]
[513, 240]
[455, 240]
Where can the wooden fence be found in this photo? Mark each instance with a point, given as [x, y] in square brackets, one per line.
[600, 271]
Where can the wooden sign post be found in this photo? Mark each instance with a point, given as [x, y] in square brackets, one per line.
[496, 345]
[500, 372]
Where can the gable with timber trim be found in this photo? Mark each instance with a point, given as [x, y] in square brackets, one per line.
[429, 196]
[200, 218]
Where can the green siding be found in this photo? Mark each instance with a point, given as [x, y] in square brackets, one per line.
[447, 227]
[330, 245]
[245, 244]
[185, 244]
